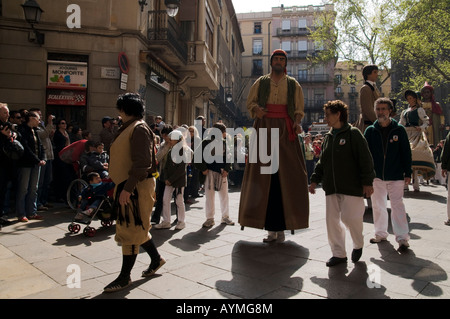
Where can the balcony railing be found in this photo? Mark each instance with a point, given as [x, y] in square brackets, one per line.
[314, 105]
[162, 28]
[295, 31]
[314, 78]
[339, 95]
[257, 71]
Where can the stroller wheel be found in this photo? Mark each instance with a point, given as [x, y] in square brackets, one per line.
[106, 223]
[74, 228]
[89, 231]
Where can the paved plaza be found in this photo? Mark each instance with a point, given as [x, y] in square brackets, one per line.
[41, 259]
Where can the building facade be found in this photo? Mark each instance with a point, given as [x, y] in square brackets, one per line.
[87, 54]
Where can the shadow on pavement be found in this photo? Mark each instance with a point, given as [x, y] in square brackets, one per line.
[406, 264]
[356, 284]
[426, 196]
[192, 241]
[259, 268]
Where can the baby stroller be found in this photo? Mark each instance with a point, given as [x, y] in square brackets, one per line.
[104, 211]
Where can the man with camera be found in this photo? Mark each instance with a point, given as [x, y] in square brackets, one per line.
[6, 164]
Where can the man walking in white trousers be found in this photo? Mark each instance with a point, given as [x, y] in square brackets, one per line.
[215, 173]
[391, 152]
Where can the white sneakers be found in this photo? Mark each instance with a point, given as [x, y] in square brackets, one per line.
[403, 243]
[377, 239]
[227, 221]
[210, 222]
[180, 225]
[167, 225]
[163, 225]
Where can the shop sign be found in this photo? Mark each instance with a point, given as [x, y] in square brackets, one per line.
[66, 97]
[63, 74]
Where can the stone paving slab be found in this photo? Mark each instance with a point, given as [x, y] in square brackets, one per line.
[225, 262]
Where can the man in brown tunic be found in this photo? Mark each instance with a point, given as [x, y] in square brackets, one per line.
[276, 201]
[131, 168]
[368, 94]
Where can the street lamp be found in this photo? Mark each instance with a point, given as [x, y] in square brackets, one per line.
[229, 97]
[32, 12]
[142, 3]
[172, 7]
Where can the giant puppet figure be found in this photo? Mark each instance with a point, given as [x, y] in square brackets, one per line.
[277, 199]
[434, 112]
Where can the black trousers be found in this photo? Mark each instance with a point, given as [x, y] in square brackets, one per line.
[275, 212]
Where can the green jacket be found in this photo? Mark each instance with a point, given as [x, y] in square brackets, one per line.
[174, 172]
[392, 162]
[445, 157]
[345, 163]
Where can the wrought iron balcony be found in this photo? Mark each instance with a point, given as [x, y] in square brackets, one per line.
[165, 35]
[314, 78]
[295, 31]
[315, 106]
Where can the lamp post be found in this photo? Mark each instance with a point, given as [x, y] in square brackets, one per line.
[142, 3]
[172, 7]
[33, 12]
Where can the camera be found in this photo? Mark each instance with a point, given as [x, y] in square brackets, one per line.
[6, 125]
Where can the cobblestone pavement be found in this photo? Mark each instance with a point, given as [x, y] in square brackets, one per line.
[41, 259]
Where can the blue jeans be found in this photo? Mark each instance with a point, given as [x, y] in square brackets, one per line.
[45, 178]
[27, 186]
[94, 205]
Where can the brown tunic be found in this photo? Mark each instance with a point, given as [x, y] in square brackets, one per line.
[292, 188]
[367, 98]
[131, 161]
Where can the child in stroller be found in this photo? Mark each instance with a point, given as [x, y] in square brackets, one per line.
[92, 196]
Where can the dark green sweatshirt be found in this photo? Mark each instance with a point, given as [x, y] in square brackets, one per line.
[345, 163]
[391, 157]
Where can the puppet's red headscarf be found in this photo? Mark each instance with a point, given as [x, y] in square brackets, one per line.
[279, 52]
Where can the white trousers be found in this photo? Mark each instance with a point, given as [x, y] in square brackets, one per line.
[344, 210]
[416, 177]
[210, 196]
[448, 204]
[381, 189]
[179, 201]
[438, 176]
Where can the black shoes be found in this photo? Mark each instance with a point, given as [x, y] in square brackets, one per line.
[151, 270]
[118, 284]
[356, 254]
[333, 261]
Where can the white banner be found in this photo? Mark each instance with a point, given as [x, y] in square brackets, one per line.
[63, 74]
